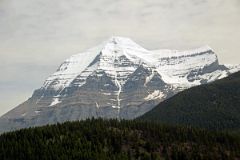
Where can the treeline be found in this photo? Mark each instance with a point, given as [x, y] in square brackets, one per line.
[98, 139]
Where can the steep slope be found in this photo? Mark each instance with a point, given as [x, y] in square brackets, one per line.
[118, 140]
[117, 79]
[213, 106]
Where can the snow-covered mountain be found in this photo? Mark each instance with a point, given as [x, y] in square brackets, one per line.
[117, 79]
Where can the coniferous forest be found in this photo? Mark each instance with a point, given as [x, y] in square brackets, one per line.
[214, 106]
[113, 139]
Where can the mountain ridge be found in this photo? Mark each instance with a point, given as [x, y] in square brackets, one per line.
[117, 79]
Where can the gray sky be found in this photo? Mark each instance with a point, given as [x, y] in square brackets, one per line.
[37, 35]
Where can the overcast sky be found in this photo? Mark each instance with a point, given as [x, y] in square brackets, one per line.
[37, 35]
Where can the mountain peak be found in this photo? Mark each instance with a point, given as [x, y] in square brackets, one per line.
[122, 51]
[121, 43]
[117, 79]
[120, 40]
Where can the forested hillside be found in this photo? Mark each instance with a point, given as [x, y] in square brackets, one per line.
[114, 139]
[213, 106]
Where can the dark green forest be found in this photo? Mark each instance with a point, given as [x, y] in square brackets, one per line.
[98, 139]
[214, 106]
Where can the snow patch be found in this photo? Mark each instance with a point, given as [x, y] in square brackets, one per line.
[156, 94]
[37, 112]
[55, 101]
[119, 91]
[108, 94]
[97, 105]
[149, 78]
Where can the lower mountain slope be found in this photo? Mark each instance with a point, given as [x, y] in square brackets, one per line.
[114, 139]
[212, 106]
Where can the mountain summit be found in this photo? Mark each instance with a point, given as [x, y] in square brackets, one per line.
[117, 79]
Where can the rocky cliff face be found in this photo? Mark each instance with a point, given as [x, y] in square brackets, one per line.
[117, 79]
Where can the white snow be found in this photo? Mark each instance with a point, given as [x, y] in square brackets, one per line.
[111, 61]
[118, 93]
[71, 68]
[97, 105]
[162, 53]
[156, 94]
[233, 68]
[110, 51]
[119, 57]
[55, 101]
[108, 94]
[175, 67]
[37, 112]
[149, 78]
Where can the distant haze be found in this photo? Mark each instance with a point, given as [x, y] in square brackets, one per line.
[37, 35]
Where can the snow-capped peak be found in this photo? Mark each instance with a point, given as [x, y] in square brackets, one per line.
[117, 79]
[111, 52]
[121, 45]
[123, 42]
[121, 56]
